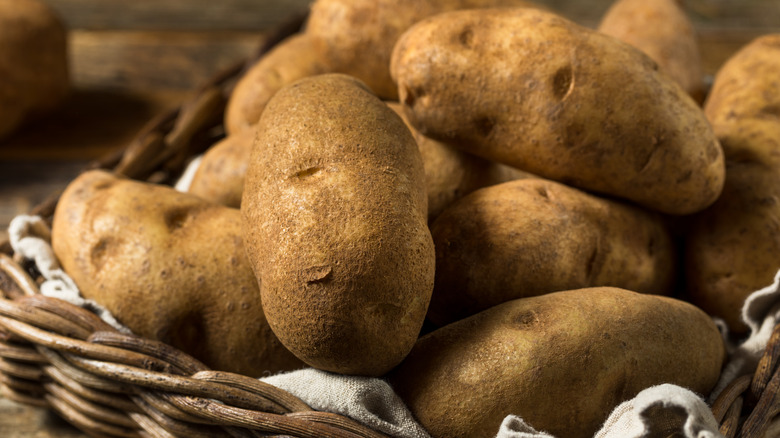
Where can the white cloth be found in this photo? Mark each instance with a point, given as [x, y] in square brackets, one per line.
[185, 180]
[661, 411]
[30, 238]
[657, 411]
[761, 313]
[367, 400]
[514, 427]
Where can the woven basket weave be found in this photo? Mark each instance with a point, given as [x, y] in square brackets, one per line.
[61, 357]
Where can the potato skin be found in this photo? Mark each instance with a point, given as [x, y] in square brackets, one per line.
[559, 101]
[733, 247]
[357, 36]
[450, 173]
[533, 236]
[292, 59]
[220, 175]
[662, 30]
[34, 75]
[171, 267]
[550, 361]
[334, 218]
[744, 103]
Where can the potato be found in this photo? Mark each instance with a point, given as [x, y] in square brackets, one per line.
[561, 361]
[292, 59]
[169, 266]
[744, 102]
[220, 175]
[451, 174]
[537, 92]
[357, 36]
[334, 219]
[534, 236]
[34, 74]
[733, 247]
[662, 30]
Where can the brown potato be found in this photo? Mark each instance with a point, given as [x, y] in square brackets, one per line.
[662, 30]
[171, 267]
[733, 247]
[334, 219]
[744, 103]
[220, 175]
[357, 36]
[34, 74]
[451, 174]
[560, 361]
[533, 236]
[560, 101]
[292, 59]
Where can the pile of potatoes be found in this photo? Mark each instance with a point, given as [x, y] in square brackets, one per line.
[494, 208]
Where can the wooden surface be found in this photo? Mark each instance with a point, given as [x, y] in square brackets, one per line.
[260, 14]
[21, 421]
[131, 60]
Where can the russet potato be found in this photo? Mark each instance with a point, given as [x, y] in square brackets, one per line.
[733, 247]
[220, 175]
[534, 236]
[169, 266]
[662, 30]
[356, 37]
[334, 219]
[561, 361]
[293, 59]
[535, 91]
[451, 173]
[34, 76]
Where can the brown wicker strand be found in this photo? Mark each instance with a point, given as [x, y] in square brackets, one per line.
[179, 360]
[176, 427]
[730, 424]
[24, 284]
[729, 395]
[337, 421]
[284, 400]
[21, 397]
[85, 378]
[767, 365]
[262, 421]
[97, 396]
[82, 317]
[767, 408]
[169, 383]
[79, 347]
[20, 353]
[139, 156]
[23, 316]
[87, 424]
[17, 369]
[23, 385]
[150, 427]
[160, 401]
[100, 413]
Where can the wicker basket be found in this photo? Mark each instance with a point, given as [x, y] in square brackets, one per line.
[61, 357]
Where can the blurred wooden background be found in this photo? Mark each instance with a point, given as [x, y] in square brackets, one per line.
[131, 60]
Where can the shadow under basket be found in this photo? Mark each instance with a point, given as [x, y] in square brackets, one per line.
[62, 357]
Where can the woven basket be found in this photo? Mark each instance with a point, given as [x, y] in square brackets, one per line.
[61, 357]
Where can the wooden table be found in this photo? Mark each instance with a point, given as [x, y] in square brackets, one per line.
[132, 60]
